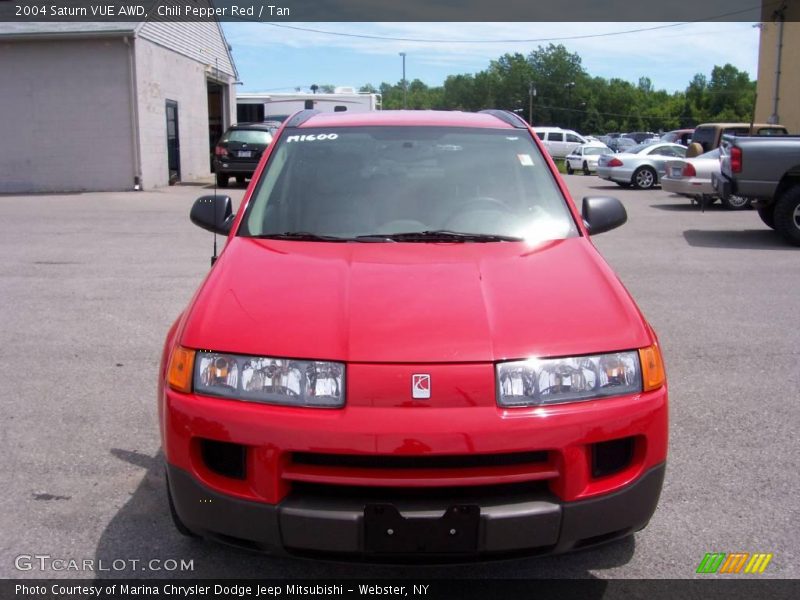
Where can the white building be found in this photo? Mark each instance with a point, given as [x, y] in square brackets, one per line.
[109, 106]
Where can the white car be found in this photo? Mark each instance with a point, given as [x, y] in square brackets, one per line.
[692, 177]
[559, 142]
[584, 157]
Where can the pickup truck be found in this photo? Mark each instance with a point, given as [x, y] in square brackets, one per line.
[766, 169]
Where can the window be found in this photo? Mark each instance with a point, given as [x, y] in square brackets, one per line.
[339, 108]
[352, 181]
[573, 139]
[554, 136]
[248, 136]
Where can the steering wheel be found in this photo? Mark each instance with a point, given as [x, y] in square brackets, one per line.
[478, 203]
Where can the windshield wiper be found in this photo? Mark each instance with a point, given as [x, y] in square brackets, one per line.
[301, 236]
[438, 235]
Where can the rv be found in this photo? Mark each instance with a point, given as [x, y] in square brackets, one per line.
[257, 107]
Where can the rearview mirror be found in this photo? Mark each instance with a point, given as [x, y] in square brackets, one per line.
[602, 214]
[214, 213]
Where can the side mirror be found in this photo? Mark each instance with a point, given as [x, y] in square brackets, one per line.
[602, 214]
[214, 213]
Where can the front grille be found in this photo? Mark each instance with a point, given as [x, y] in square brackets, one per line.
[464, 461]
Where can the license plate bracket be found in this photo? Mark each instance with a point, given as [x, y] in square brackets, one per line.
[386, 530]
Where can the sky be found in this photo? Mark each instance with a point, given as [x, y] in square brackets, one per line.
[277, 58]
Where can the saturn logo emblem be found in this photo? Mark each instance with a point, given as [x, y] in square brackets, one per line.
[421, 386]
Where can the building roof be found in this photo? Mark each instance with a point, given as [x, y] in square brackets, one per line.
[188, 38]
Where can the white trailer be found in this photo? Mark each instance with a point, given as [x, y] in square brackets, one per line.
[255, 107]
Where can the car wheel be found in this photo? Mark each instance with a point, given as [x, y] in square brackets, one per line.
[767, 214]
[176, 520]
[570, 170]
[222, 180]
[736, 202]
[787, 215]
[586, 168]
[644, 178]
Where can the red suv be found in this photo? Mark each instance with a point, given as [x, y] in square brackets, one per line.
[409, 346]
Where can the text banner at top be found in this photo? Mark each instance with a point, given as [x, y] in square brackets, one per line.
[77, 11]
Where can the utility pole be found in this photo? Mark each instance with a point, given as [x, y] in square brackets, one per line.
[569, 87]
[531, 96]
[405, 87]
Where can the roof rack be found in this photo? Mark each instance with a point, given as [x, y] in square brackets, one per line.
[301, 117]
[507, 116]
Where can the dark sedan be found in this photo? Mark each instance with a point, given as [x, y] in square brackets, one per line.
[239, 150]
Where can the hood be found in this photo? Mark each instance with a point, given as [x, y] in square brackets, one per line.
[413, 303]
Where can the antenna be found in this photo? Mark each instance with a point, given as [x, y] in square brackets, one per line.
[214, 257]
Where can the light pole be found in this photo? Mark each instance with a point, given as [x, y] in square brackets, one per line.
[403, 54]
[569, 87]
[531, 96]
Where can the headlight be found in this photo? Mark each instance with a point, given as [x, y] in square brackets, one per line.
[270, 380]
[538, 382]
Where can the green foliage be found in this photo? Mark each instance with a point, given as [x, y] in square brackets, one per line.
[566, 95]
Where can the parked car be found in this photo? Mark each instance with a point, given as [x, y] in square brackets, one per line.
[361, 372]
[641, 136]
[621, 144]
[641, 166]
[709, 135]
[678, 136]
[559, 142]
[584, 158]
[691, 177]
[239, 149]
[764, 169]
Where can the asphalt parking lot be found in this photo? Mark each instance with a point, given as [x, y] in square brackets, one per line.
[89, 284]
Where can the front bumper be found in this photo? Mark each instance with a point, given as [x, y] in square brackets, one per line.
[309, 525]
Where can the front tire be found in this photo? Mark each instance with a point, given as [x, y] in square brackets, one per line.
[222, 180]
[644, 178]
[787, 215]
[736, 202]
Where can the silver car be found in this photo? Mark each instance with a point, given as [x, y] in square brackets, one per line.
[642, 166]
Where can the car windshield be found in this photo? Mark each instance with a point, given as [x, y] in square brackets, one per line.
[248, 136]
[377, 182]
[596, 150]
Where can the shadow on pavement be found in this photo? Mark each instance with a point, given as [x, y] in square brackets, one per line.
[749, 239]
[689, 206]
[142, 530]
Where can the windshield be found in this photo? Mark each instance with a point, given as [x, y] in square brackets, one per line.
[248, 136]
[370, 182]
[596, 150]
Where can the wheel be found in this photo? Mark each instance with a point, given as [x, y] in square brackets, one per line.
[767, 214]
[644, 178]
[222, 180]
[240, 179]
[176, 520]
[570, 170]
[736, 202]
[586, 168]
[787, 215]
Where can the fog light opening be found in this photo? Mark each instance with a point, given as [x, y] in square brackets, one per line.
[611, 457]
[224, 458]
